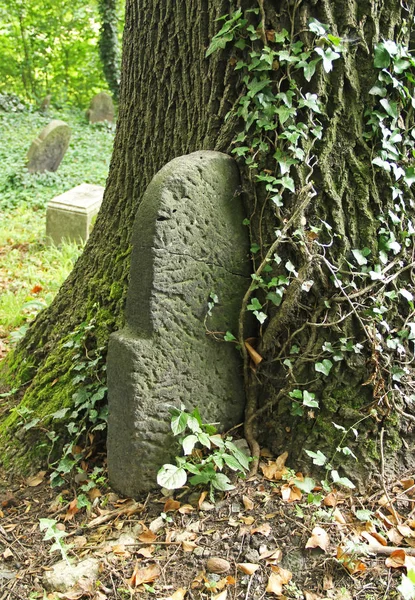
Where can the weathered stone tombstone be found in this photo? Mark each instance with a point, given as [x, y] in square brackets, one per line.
[188, 242]
[48, 149]
[101, 109]
[45, 104]
[71, 215]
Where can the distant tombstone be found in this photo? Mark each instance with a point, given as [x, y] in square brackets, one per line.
[188, 242]
[44, 105]
[48, 149]
[101, 109]
[71, 215]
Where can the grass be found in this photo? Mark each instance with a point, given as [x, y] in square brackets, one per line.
[31, 272]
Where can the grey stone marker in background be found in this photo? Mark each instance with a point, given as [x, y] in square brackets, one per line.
[188, 242]
[101, 108]
[71, 215]
[48, 149]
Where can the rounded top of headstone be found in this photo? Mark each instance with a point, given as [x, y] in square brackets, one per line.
[101, 108]
[48, 149]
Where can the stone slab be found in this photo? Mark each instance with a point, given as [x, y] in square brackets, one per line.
[48, 149]
[71, 215]
[101, 109]
[188, 242]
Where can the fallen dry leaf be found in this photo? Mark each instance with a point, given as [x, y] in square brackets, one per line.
[277, 579]
[7, 554]
[264, 529]
[351, 563]
[186, 509]
[146, 552]
[171, 505]
[248, 520]
[330, 499]
[72, 510]
[290, 493]
[144, 574]
[36, 479]
[247, 568]
[394, 536]
[247, 502]
[179, 594]
[405, 531]
[312, 596]
[222, 596]
[201, 499]
[94, 493]
[319, 539]
[188, 546]
[272, 557]
[396, 560]
[147, 536]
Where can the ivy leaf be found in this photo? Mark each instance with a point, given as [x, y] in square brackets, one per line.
[288, 183]
[261, 316]
[377, 90]
[360, 258]
[318, 457]
[324, 367]
[229, 337]
[328, 57]
[311, 102]
[255, 304]
[390, 107]
[306, 485]
[296, 394]
[309, 399]
[316, 27]
[344, 481]
[409, 176]
[382, 57]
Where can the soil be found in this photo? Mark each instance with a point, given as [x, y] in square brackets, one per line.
[167, 542]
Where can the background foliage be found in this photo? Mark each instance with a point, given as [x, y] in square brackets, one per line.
[51, 47]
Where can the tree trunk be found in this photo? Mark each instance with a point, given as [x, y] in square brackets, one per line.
[173, 101]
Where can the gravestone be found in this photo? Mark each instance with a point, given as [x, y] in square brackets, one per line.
[71, 215]
[188, 242]
[48, 149]
[45, 104]
[101, 109]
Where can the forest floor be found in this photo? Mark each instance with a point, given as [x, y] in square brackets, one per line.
[264, 539]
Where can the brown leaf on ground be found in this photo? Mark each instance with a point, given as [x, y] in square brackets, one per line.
[179, 594]
[188, 546]
[201, 499]
[312, 596]
[405, 531]
[248, 520]
[247, 568]
[290, 493]
[94, 493]
[396, 560]
[394, 536]
[248, 504]
[272, 557]
[36, 479]
[351, 563]
[319, 539]
[144, 574]
[263, 529]
[72, 510]
[330, 499]
[171, 505]
[222, 596]
[147, 552]
[277, 579]
[147, 536]
[186, 509]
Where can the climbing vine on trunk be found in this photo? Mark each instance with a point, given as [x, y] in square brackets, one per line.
[108, 44]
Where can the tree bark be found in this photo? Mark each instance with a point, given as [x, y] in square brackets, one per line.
[108, 44]
[174, 101]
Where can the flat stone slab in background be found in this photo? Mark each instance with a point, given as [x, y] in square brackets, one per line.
[71, 215]
[48, 149]
[101, 109]
[188, 242]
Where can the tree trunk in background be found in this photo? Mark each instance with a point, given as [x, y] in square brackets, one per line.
[174, 101]
[108, 44]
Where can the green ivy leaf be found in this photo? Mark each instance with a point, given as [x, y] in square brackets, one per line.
[309, 400]
[382, 57]
[324, 367]
[318, 457]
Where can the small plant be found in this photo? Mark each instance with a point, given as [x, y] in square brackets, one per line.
[53, 533]
[206, 453]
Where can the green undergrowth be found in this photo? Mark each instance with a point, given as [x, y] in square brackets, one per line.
[31, 272]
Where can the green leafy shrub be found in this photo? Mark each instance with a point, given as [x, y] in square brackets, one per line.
[206, 454]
